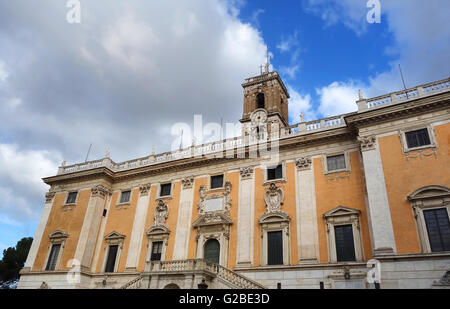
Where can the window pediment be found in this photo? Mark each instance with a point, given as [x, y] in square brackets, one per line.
[158, 230]
[429, 192]
[341, 211]
[214, 218]
[114, 236]
[272, 217]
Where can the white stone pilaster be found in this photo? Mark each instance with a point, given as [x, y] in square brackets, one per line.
[245, 233]
[92, 218]
[138, 230]
[379, 215]
[100, 234]
[183, 230]
[306, 212]
[49, 198]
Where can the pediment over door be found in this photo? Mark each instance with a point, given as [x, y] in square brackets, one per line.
[341, 211]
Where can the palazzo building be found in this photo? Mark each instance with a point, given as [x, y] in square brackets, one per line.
[348, 196]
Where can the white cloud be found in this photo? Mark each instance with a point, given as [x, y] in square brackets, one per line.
[21, 187]
[338, 98]
[299, 103]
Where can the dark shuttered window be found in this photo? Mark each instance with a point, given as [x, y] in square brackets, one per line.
[111, 261]
[417, 138]
[71, 198]
[345, 246]
[260, 100]
[275, 173]
[156, 251]
[53, 257]
[275, 248]
[216, 181]
[335, 163]
[165, 189]
[438, 228]
[212, 251]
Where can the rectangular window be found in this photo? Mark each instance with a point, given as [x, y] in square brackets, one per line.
[335, 163]
[165, 189]
[156, 251]
[275, 173]
[53, 257]
[345, 246]
[438, 228]
[71, 198]
[417, 138]
[275, 248]
[216, 181]
[125, 197]
[111, 261]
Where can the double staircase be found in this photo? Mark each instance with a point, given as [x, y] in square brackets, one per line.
[219, 273]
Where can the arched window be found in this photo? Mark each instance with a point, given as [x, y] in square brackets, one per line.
[260, 101]
[212, 251]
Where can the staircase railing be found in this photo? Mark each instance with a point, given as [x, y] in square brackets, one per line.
[136, 283]
[234, 278]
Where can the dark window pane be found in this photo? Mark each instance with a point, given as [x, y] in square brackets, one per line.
[275, 173]
[417, 138]
[165, 189]
[260, 100]
[111, 262]
[345, 246]
[216, 181]
[336, 162]
[71, 198]
[275, 248]
[212, 251]
[125, 198]
[156, 251]
[53, 257]
[438, 228]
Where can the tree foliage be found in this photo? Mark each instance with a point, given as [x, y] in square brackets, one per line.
[14, 259]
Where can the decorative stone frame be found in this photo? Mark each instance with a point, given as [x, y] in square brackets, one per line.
[113, 238]
[274, 222]
[124, 204]
[331, 154]
[426, 198]
[265, 168]
[214, 224]
[158, 196]
[208, 186]
[433, 144]
[154, 234]
[70, 206]
[56, 238]
[343, 216]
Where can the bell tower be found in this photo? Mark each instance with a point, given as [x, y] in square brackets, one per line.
[265, 99]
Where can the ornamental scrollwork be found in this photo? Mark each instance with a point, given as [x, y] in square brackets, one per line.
[367, 142]
[274, 198]
[161, 213]
[303, 163]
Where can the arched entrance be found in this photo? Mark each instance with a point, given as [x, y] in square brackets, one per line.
[212, 251]
[172, 286]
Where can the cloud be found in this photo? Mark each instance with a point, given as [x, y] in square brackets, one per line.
[338, 98]
[299, 103]
[290, 45]
[21, 188]
[119, 80]
[420, 45]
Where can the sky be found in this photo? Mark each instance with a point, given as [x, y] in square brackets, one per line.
[122, 77]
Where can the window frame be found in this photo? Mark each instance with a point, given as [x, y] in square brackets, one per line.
[56, 238]
[215, 175]
[160, 189]
[343, 216]
[121, 195]
[67, 198]
[431, 135]
[113, 238]
[428, 198]
[333, 154]
[265, 170]
[160, 244]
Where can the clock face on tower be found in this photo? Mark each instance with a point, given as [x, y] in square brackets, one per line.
[259, 116]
